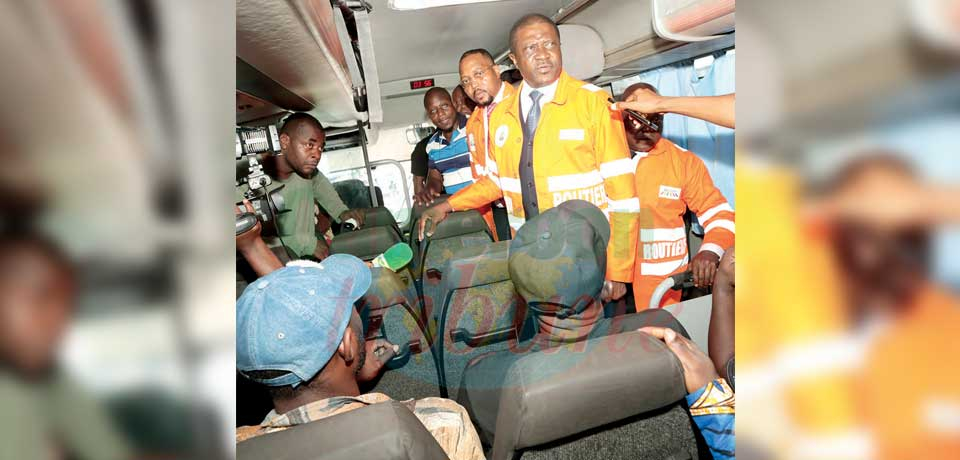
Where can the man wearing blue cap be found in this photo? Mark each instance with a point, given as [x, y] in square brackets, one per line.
[299, 334]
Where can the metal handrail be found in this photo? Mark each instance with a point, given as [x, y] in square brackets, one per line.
[403, 182]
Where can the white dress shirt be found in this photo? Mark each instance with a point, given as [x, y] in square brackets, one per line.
[525, 102]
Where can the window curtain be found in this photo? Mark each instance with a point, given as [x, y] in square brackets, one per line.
[712, 143]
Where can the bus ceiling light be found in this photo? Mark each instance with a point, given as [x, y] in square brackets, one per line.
[693, 20]
[424, 4]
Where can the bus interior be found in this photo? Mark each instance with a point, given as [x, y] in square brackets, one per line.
[362, 68]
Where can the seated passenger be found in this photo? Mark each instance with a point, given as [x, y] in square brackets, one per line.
[710, 399]
[263, 261]
[49, 414]
[299, 334]
[669, 181]
[720, 338]
[557, 263]
[301, 144]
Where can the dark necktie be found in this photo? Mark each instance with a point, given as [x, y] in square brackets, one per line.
[528, 186]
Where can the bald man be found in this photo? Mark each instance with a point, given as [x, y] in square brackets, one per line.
[669, 181]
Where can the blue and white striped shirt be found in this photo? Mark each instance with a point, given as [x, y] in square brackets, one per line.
[451, 158]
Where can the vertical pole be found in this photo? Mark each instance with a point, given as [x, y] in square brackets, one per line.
[366, 164]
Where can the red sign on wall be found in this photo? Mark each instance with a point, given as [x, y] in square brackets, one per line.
[421, 84]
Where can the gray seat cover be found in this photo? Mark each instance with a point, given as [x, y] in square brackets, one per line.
[385, 431]
[365, 243]
[551, 395]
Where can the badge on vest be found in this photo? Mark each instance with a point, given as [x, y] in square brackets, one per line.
[501, 136]
[571, 134]
[471, 144]
[670, 193]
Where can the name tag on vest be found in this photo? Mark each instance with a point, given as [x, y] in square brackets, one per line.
[571, 134]
[670, 193]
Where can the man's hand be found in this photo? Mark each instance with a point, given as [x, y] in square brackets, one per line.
[697, 368]
[432, 188]
[425, 197]
[378, 351]
[432, 217]
[727, 270]
[322, 251]
[612, 290]
[642, 100]
[246, 240]
[704, 268]
[355, 214]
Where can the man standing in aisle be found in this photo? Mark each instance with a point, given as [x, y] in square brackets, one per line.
[480, 79]
[555, 140]
[671, 180]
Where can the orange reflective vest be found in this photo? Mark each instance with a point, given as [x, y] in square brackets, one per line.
[579, 152]
[478, 132]
[669, 181]
[478, 141]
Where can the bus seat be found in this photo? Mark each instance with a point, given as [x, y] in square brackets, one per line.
[381, 217]
[385, 431]
[459, 230]
[582, 51]
[483, 379]
[556, 401]
[663, 433]
[365, 243]
[355, 194]
[479, 311]
[391, 309]
[417, 211]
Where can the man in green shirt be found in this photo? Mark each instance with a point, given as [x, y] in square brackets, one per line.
[47, 414]
[301, 145]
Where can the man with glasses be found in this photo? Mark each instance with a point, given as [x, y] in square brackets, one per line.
[555, 140]
[480, 80]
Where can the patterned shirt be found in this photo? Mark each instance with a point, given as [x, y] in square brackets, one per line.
[712, 408]
[451, 158]
[446, 420]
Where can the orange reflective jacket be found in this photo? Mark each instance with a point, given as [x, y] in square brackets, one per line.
[478, 132]
[670, 180]
[579, 152]
[478, 141]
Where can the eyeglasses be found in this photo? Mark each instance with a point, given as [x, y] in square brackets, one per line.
[477, 76]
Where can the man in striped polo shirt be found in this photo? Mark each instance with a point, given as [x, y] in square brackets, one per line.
[447, 149]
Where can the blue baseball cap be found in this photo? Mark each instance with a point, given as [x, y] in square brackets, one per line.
[293, 319]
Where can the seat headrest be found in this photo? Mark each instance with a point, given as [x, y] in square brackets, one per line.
[385, 431]
[379, 217]
[581, 50]
[476, 266]
[460, 223]
[558, 392]
[365, 243]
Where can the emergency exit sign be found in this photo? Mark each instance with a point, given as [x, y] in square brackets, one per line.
[421, 84]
